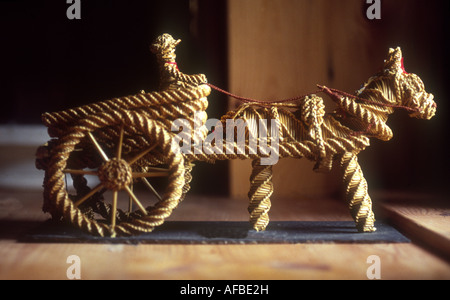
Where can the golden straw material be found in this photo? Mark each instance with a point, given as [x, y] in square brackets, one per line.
[150, 217]
[99, 136]
[261, 189]
[170, 76]
[307, 131]
[131, 139]
[356, 193]
[159, 105]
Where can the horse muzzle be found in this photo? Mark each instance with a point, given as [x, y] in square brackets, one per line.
[428, 108]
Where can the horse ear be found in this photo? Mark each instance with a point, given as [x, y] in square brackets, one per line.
[394, 59]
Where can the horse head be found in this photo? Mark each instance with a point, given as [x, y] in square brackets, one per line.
[409, 89]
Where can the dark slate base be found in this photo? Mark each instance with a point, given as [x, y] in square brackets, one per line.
[206, 232]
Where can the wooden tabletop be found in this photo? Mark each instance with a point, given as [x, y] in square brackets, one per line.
[426, 257]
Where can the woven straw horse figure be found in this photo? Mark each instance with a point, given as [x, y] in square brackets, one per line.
[305, 130]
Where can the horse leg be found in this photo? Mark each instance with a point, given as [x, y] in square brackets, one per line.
[356, 194]
[261, 188]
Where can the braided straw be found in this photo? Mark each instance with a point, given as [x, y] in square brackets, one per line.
[356, 194]
[261, 189]
[158, 105]
[188, 166]
[321, 140]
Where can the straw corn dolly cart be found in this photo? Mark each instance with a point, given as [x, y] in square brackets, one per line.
[98, 152]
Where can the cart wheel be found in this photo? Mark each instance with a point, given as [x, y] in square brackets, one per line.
[104, 165]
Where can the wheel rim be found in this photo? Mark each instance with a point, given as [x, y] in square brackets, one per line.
[116, 174]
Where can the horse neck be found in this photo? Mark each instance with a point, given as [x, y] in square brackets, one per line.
[379, 95]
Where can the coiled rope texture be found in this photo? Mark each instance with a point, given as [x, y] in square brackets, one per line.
[356, 193]
[261, 189]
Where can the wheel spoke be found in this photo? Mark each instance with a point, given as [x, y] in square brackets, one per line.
[150, 174]
[119, 146]
[157, 169]
[135, 159]
[88, 195]
[136, 201]
[151, 188]
[113, 213]
[130, 201]
[97, 145]
[80, 172]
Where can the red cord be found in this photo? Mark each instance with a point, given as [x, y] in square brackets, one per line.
[251, 100]
[173, 63]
